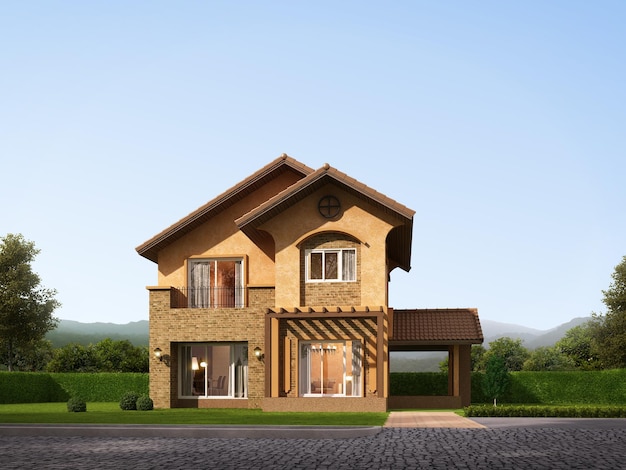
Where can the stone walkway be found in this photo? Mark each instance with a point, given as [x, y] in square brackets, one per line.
[429, 419]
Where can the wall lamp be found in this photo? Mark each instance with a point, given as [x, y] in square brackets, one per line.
[259, 354]
[158, 354]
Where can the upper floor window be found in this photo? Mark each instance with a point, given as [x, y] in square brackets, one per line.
[215, 283]
[331, 265]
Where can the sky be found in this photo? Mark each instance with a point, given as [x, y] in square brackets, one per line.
[500, 123]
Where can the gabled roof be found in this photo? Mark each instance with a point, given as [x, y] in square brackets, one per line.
[400, 239]
[398, 242]
[151, 248]
[436, 326]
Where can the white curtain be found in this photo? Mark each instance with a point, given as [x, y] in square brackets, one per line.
[238, 284]
[348, 265]
[305, 368]
[199, 296]
[357, 367]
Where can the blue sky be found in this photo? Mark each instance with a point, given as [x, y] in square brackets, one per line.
[500, 123]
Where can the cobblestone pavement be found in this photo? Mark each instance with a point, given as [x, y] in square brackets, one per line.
[555, 447]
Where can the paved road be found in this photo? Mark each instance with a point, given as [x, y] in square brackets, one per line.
[511, 444]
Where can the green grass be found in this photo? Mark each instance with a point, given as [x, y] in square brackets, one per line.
[110, 413]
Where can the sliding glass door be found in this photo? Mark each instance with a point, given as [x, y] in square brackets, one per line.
[330, 368]
[214, 370]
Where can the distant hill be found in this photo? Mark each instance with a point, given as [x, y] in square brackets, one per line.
[69, 331]
[532, 338]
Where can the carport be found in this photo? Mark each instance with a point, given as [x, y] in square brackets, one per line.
[451, 330]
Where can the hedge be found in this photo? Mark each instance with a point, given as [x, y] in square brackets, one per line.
[545, 411]
[39, 387]
[604, 387]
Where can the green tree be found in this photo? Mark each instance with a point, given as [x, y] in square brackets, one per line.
[26, 308]
[548, 358]
[74, 358]
[509, 349]
[497, 377]
[106, 356]
[34, 356]
[121, 356]
[611, 335]
[579, 345]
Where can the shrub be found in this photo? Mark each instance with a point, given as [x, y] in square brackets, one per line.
[145, 403]
[76, 405]
[129, 401]
[545, 411]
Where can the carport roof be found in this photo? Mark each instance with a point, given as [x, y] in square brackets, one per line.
[436, 327]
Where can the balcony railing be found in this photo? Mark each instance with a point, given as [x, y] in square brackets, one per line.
[207, 297]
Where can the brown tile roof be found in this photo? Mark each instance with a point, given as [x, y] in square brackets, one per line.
[400, 239]
[436, 326]
[151, 248]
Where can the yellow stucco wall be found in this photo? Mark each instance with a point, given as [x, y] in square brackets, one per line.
[220, 237]
[365, 223]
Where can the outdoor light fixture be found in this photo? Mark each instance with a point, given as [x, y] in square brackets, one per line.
[202, 364]
[258, 353]
[158, 354]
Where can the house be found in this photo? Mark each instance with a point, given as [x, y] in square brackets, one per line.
[274, 295]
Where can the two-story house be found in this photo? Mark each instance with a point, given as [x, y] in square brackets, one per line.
[274, 295]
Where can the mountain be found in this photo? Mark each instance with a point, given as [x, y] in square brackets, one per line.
[69, 331]
[531, 338]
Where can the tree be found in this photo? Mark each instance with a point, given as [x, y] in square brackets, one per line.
[121, 356]
[497, 378]
[611, 335]
[25, 307]
[548, 358]
[579, 345]
[106, 356]
[510, 350]
[73, 358]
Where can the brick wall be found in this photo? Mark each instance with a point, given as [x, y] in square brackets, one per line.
[169, 327]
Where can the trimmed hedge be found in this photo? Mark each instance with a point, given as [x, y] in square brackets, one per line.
[519, 411]
[605, 387]
[418, 384]
[39, 387]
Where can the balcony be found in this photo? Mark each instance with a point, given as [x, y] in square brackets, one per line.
[207, 297]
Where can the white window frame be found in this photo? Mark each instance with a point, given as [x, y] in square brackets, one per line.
[340, 267]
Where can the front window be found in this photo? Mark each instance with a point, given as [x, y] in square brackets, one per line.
[331, 368]
[216, 283]
[331, 265]
[214, 370]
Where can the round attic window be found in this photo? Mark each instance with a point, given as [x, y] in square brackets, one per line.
[329, 206]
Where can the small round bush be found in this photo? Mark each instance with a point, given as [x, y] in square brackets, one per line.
[145, 403]
[129, 401]
[76, 405]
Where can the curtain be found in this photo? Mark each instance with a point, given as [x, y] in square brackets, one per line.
[199, 294]
[348, 265]
[357, 367]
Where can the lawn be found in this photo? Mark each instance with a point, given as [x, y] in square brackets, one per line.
[110, 413]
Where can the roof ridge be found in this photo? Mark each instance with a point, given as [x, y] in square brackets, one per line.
[282, 160]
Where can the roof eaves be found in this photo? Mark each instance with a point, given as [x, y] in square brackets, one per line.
[149, 249]
[257, 214]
